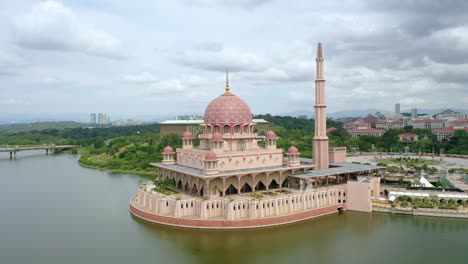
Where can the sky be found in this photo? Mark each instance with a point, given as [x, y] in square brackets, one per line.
[169, 57]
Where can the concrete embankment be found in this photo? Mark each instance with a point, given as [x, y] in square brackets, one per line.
[422, 211]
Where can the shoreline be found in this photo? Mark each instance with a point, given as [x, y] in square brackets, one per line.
[145, 173]
[421, 212]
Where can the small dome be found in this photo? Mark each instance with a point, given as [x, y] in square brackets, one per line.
[210, 156]
[293, 150]
[217, 137]
[187, 135]
[270, 135]
[168, 150]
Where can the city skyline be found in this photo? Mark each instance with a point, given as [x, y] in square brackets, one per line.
[153, 57]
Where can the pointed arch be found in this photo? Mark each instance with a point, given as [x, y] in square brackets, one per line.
[231, 190]
[179, 184]
[237, 129]
[273, 185]
[227, 129]
[260, 186]
[194, 189]
[246, 188]
[285, 183]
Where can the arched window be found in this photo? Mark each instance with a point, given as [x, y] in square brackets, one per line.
[236, 129]
[208, 130]
[246, 129]
[227, 129]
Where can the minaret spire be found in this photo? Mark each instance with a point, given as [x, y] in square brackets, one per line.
[321, 159]
[319, 51]
[227, 80]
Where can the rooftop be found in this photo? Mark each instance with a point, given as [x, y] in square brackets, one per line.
[367, 129]
[338, 168]
[199, 172]
[428, 121]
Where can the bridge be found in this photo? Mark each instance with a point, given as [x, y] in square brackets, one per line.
[47, 147]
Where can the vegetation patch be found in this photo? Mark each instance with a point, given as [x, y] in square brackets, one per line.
[257, 196]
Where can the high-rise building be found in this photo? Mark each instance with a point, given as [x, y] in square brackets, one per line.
[100, 118]
[92, 118]
[397, 109]
[414, 113]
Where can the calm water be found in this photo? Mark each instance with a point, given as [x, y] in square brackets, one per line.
[54, 211]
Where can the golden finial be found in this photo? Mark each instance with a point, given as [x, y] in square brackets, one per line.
[227, 81]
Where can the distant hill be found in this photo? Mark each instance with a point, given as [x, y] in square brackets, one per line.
[338, 114]
[15, 128]
[436, 111]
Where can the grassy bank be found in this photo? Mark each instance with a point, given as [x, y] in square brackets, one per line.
[147, 174]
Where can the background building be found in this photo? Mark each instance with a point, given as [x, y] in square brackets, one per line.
[92, 118]
[450, 114]
[414, 113]
[430, 124]
[397, 109]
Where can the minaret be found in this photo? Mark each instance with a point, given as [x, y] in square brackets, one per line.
[320, 136]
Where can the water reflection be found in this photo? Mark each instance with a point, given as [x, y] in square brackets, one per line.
[80, 215]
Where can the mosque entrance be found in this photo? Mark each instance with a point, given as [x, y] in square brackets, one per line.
[273, 185]
[231, 190]
[246, 188]
[241, 145]
[179, 184]
[260, 186]
[194, 190]
[285, 183]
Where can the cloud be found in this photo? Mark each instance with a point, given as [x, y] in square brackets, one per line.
[186, 84]
[209, 46]
[236, 61]
[50, 25]
[143, 77]
[51, 80]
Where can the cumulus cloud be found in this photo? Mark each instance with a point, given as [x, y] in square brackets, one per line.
[182, 85]
[50, 25]
[378, 52]
[235, 60]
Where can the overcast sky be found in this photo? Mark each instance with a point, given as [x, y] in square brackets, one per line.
[169, 57]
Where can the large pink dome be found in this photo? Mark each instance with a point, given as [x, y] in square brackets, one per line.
[228, 109]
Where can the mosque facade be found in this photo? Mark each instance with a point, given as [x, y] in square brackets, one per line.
[228, 181]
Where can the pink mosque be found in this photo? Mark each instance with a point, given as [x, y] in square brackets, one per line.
[228, 181]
